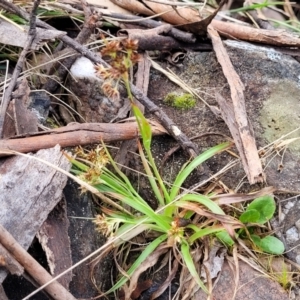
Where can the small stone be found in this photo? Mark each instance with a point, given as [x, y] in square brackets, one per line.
[292, 235]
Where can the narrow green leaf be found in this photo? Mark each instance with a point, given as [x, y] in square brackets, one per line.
[188, 260]
[204, 200]
[203, 232]
[225, 238]
[187, 170]
[144, 127]
[151, 178]
[145, 209]
[81, 166]
[118, 171]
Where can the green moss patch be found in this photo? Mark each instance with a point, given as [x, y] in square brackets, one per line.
[183, 101]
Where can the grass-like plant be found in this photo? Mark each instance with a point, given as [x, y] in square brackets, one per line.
[182, 219]
[171, 224]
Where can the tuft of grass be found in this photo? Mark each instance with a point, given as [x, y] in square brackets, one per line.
[182, 221]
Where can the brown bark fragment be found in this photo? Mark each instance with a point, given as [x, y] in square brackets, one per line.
[235, 113]
[54, 239]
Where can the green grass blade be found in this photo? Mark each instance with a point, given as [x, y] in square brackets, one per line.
[256, 6]
[187, 170]
[188, 260]
[147, 251]
[144, 127]
[79, 165]
[118, 171]
[204, 200]
[145, 209]
[151, 178]
[145, 130]
[203, 232]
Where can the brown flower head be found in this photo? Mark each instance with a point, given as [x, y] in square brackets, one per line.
[111, 49]
[130, 44]
[102, 72]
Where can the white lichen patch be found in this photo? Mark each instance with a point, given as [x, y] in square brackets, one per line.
[280, 114]
[176, 130]
[271, 53]
[84, 68]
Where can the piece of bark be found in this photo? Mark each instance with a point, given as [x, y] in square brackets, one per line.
[12, 35]
[29, 191]
[143, 75]
[240, 127]
[25, 120]
[77, 134]
[84, 240]
[9, 125]
[32, 267]
[54, 239]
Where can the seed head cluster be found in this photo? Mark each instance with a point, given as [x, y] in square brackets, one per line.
[121, 55]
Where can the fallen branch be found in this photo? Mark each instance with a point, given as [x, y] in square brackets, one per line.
[77, 134]
[55, 290]
[235, 115]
